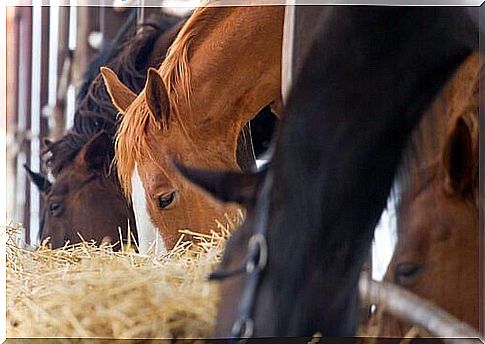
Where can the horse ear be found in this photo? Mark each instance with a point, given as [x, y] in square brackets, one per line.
[95, 153]
[121, 96]
[156, 96]
[47, 143]
[38, 179]
[226, 186]
[459, 159]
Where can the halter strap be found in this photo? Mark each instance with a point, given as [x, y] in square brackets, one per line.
[255, 264]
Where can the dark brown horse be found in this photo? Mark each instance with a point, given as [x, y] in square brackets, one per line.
[84, 203]
[437, 253]
[85, 200]
[293, 267]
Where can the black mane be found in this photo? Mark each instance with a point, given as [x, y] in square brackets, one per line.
[127, 55]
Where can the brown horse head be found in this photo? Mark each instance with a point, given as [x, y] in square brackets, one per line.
[155, 185]
[192, 111]
[437, 254]
[84, 199]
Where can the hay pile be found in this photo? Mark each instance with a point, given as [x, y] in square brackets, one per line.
[89, 291]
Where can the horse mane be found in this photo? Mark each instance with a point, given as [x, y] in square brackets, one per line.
[175, 70]
[131, 137]
[127, 55]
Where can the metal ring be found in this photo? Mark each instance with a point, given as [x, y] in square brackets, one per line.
[243, 328]
[257, 242]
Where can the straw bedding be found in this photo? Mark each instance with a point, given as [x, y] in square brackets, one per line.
[89, 291]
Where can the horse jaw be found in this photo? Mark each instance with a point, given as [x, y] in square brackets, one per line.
[148, 236]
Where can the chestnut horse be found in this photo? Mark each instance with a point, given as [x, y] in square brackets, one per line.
[437, 253]
[86, 201]
[192, 109]
[293, 267]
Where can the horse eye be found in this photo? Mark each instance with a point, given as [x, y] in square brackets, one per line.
[164, 201]
[55, 208]
[406, 272]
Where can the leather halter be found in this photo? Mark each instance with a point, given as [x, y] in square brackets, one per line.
[253, 266]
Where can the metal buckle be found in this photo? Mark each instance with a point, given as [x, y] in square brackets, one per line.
[243, 328]
[257, 245]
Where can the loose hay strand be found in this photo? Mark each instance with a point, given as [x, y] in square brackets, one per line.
[84, 290]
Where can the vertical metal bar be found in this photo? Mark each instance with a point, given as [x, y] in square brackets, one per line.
[23, 121]
[53, 51]
[44, 61]
[35, 108]
[72, 26]
[72, 44]
[140, 11]
[287, 46]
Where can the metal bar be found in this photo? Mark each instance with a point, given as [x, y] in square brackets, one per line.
[54, 33]
[35, 106]
[23, 121]
[140, 12]
[415, 310]
[40, 59]
[79, 55]
[288, 47]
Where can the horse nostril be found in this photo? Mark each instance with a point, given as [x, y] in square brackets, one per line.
[406, 272]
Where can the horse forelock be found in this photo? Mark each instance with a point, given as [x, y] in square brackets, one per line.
[131, 143]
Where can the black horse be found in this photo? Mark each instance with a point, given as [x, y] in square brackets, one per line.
[364, 82]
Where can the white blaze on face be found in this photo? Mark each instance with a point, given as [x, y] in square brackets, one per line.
[148, 235]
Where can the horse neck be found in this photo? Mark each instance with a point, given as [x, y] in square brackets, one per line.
[233, 64]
